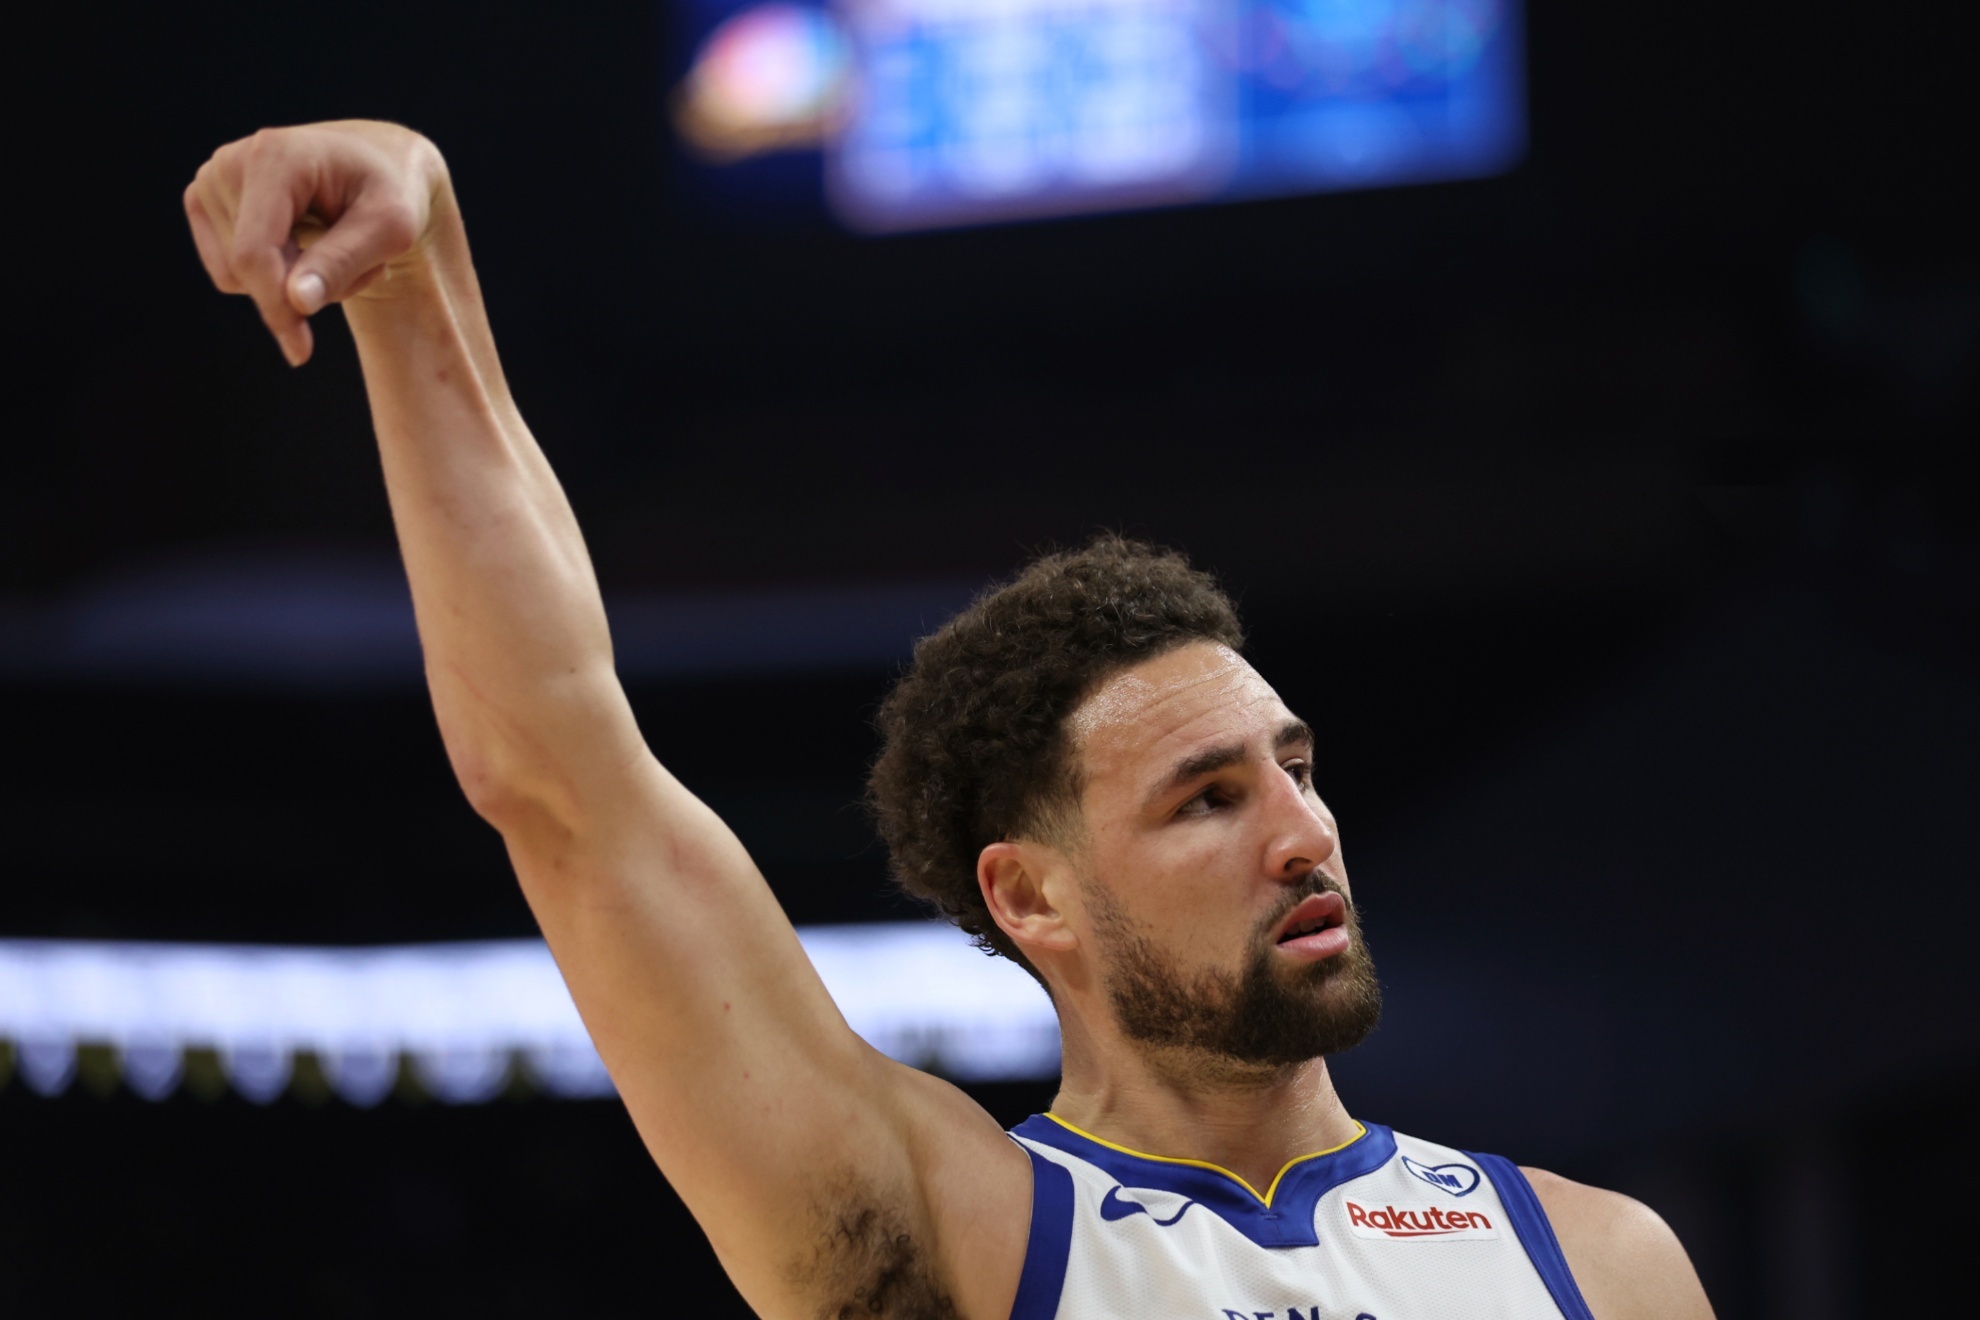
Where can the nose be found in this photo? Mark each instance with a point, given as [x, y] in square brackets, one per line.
[1301, 837]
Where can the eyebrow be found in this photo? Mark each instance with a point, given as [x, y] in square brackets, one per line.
[1213, 759]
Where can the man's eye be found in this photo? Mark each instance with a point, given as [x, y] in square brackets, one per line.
[1301, 772]
[1203, 803]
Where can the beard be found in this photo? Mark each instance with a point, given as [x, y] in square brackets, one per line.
[1266, 1015]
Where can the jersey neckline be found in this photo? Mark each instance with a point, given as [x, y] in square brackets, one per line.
[1282, 1217]
[1264, 1198]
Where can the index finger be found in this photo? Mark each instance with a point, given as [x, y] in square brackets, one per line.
[206, 238]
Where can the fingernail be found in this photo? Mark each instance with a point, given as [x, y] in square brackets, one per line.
[308, 293]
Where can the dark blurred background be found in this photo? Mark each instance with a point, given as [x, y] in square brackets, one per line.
[1610, 519]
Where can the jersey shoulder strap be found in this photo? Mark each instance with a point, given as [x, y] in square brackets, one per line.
[1045, 1255]
[1535, 1233]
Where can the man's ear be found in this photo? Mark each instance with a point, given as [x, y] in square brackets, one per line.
[1020, 880]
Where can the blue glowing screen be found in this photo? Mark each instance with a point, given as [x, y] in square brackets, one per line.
[917, 114]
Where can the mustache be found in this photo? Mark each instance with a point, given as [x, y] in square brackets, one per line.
[1314, 882]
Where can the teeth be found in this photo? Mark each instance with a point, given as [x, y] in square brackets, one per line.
[1307, 928]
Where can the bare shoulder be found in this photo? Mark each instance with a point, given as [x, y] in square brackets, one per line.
[1628, 1263]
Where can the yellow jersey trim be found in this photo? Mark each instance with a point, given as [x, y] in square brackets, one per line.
[1265, 1200]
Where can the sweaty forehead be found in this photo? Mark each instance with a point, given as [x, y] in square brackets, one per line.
[1141, 718]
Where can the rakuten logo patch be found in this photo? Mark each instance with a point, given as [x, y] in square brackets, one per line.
[1418, 1223]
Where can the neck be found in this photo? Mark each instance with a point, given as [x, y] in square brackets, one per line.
[1251, 1121]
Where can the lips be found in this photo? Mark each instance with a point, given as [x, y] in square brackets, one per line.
[1317, 928]
[1317, 912]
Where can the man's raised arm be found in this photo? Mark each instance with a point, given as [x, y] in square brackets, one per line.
[818, 1168]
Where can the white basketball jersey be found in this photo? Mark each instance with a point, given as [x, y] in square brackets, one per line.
[1384, 1228]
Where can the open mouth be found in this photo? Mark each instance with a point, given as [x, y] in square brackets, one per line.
[1315, 914]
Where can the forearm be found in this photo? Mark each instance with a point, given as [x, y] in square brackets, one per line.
[514, 634]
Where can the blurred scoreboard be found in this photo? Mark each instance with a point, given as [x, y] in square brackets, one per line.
[973, 110]
[914, 114]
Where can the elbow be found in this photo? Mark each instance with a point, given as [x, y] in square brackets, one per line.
[519, 762]
[496, 798]
[507, 800]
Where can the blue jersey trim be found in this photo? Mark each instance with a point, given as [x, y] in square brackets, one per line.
[1045, 1252]
[1529, 1221]
[1286, 1222]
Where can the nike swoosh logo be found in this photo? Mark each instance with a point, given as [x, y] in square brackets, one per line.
[1113, 1206]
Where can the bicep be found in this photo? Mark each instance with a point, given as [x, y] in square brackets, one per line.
[689, 978]
[800, 1150]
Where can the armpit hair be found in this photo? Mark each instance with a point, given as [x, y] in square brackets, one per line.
[868, 1261]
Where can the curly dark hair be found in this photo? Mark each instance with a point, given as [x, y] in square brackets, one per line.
[973, 740]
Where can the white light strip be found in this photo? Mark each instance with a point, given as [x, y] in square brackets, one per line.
[464, 1016]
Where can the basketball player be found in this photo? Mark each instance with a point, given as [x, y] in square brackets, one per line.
[1082, 770]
